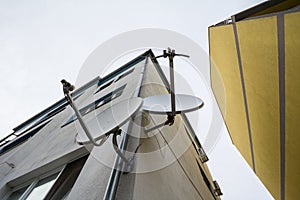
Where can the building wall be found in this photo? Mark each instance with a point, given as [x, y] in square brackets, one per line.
[254, 63]
[95, 176]
[167, 155]
[55, 145]
[174, 170]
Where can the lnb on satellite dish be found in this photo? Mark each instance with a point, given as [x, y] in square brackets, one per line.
[68, 87]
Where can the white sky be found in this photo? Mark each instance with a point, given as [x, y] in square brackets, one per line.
[42, 42]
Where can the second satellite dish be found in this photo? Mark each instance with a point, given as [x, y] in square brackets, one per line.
[171, 104]
[161, 104]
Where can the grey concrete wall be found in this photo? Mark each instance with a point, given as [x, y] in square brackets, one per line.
[165, 163]
[53, 147]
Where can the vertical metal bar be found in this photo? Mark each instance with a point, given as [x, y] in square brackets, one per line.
[281, 70]
[244, 91]
[172, 90]
[29, 189]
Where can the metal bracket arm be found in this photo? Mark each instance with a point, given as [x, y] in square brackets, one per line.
[67, 87]
[171, 54]
[170, 121]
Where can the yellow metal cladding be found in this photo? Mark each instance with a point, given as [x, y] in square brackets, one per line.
[258, 42]
[259, 54]
[292, 89]
[225, 70]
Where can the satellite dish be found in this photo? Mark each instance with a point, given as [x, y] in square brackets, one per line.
[109, 120]
[161, 104]
[170, 104]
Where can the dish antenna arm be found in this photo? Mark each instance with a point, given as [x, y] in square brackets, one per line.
[170, 53]
[67, 87]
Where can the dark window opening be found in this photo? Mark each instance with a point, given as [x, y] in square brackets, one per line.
[125, 74]
[42, 187]
[70, 120]
[17, 194]
[52, 187]
[104, 86]
[66, 181]
[22, 138]
[42, 116]
[17, 138]
[55, 112]
[36, 190]
[97, 104]
[51, 114]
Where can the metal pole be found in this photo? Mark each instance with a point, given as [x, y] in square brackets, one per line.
[82, 123]
[172, 89]
[171, 54]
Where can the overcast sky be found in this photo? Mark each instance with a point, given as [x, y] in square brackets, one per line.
[42, 42]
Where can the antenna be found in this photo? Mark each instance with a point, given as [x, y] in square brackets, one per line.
[110, 120]
[171, 104]
[67, 87]
[171, 54]
[113, 117]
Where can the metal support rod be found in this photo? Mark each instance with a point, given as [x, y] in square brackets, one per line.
[171, 54]
[172, 89]
[82, 123]
[169, 121]
[155, 127]
[67, 87]
[116, 147]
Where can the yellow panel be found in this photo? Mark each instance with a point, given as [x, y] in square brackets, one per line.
[225, 69]
[259, 53]
[292, 72]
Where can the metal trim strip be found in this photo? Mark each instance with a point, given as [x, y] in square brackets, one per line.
[281, 71]
[244, 89]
